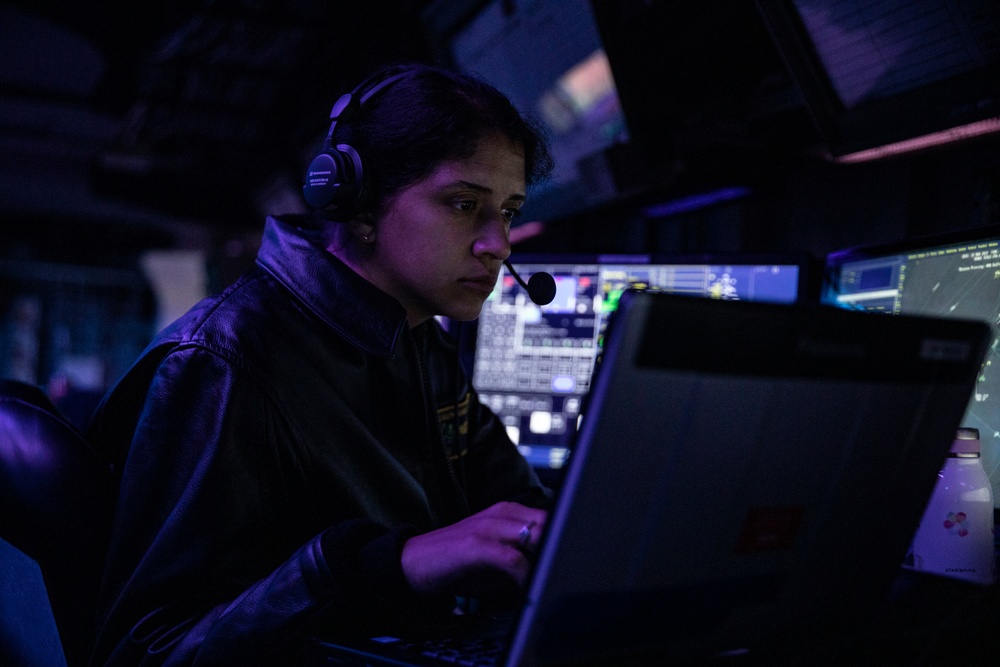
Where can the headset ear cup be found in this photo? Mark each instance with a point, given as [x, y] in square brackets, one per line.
[334, 182]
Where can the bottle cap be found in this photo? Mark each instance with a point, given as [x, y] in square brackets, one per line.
[966, 441]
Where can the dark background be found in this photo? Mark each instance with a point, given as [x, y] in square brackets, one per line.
[174, 127]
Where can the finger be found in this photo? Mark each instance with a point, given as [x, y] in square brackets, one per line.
[524, 535]
[511, 524]
[512, 510]
[529, 534]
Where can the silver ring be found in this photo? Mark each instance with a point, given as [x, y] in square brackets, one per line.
[524, 537]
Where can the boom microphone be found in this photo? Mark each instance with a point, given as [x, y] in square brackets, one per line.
[541, 286]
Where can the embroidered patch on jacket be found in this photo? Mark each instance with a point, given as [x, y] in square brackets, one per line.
[450, 422]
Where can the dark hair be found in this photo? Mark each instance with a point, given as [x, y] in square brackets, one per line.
[430, 116]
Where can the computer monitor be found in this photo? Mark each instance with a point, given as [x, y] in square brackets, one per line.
[547, 57]
[880, 77]
[532, 364]
[950, 275]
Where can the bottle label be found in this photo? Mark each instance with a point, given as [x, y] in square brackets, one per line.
[955, 523]
[958, 545]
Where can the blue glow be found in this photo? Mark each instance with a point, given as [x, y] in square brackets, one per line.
[695, 202]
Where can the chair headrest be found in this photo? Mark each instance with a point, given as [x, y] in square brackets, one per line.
[58, 497]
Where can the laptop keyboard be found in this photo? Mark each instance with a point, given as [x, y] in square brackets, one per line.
[466, 651]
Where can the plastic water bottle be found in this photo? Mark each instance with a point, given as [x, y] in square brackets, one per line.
[955, 536]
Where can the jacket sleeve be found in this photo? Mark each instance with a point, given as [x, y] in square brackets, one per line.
[212, 560]
[267, 623]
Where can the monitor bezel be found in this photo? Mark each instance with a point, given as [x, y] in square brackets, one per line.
[836, 259]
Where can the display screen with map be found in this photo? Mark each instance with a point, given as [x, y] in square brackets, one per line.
[955, 275]
[532, 364]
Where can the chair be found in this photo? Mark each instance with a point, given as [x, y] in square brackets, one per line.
[56, 504]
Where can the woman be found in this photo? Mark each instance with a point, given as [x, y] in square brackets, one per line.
[303, 449]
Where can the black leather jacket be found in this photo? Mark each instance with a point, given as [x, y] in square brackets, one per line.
[276, 446]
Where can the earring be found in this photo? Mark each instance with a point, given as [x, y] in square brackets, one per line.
[366, 238]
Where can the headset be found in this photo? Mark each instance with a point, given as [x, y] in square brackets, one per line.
[335, 180]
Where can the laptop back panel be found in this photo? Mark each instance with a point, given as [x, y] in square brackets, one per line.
[746, 475]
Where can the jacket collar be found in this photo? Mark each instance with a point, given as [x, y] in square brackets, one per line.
[360, 312]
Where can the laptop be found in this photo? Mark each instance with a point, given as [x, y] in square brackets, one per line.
[746, 480]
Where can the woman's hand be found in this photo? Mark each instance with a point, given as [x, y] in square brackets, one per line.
[485, 553]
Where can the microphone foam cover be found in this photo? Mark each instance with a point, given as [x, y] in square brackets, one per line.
[542, 288]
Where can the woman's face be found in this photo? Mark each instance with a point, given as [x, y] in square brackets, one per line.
[440, 242]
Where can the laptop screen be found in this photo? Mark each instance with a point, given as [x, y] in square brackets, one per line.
[532, 364]
[954, 275]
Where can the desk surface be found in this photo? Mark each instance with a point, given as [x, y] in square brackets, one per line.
[931, 620]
